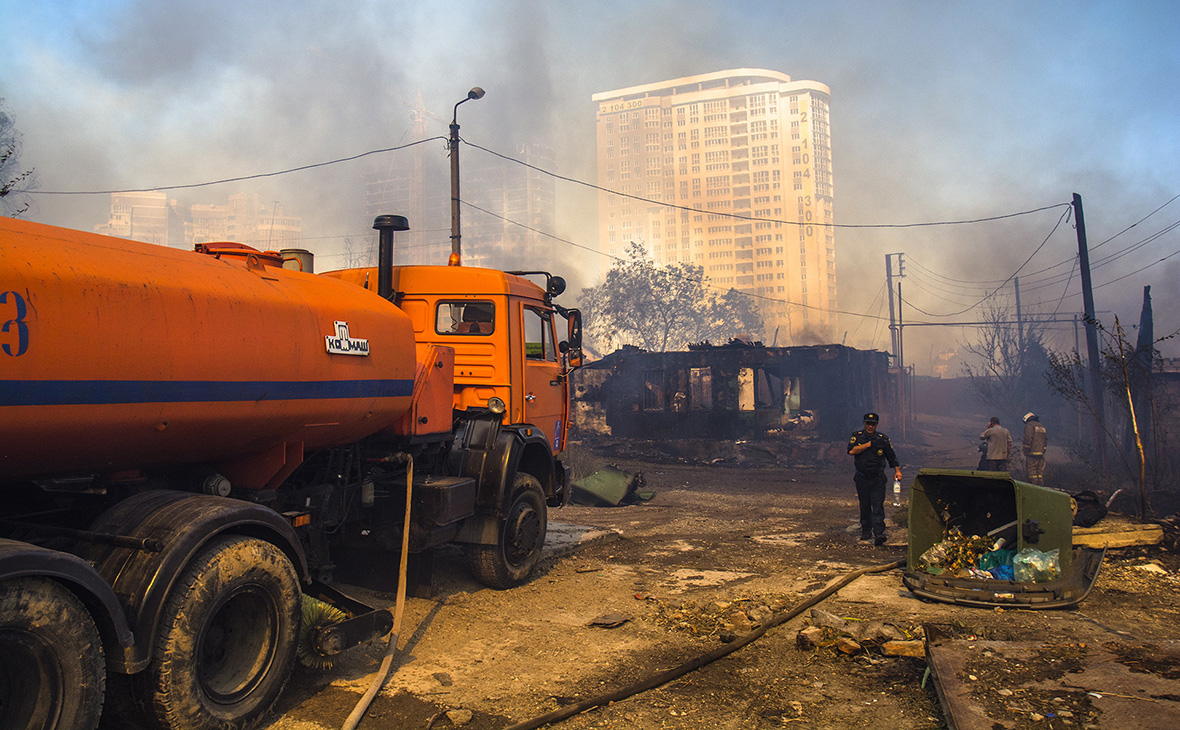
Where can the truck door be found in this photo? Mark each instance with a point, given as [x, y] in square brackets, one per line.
[545, 397]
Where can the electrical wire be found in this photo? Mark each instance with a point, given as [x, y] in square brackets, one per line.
[1070, 260]
[301, 168]
[929, 285]
[696, 280]
[1170, 201]
[737, 216]
[1066, 289]
[863, 317]
[1037, 250]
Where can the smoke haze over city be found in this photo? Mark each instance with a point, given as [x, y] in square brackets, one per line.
[940, 111]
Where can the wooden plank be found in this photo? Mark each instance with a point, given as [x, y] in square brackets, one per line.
[1117, 534]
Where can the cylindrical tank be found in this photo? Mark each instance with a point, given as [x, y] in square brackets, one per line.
[116, 354]
[299, 259]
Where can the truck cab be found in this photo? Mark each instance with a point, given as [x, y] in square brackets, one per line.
[503, 330]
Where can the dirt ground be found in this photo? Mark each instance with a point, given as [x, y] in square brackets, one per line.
[719, 549]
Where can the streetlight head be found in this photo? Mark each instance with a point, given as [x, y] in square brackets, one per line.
[475, 93]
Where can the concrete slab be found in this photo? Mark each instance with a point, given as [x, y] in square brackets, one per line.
[990, 685]
[563, 538]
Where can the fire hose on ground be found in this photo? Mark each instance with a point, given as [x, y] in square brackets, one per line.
[664, 677]
[362, 706]
[643, 685]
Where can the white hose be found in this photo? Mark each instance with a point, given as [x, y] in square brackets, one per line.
[362, 707]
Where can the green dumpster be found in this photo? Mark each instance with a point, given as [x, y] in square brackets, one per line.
[995, 506]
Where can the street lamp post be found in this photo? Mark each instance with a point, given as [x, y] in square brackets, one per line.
[475, 93]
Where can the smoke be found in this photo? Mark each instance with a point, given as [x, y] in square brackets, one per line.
[939, 112]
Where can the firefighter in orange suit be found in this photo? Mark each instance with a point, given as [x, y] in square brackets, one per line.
[1035, 441]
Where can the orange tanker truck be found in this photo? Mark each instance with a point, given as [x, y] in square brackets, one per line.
[190, 440]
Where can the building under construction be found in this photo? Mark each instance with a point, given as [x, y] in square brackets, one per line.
[507, 204]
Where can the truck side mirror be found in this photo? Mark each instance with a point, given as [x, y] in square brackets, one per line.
[571, 347]
[574, 319]
[573, 355]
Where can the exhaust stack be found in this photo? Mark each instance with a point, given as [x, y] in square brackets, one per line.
[385, 225]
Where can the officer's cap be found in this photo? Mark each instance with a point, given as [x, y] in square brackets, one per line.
[872, 418]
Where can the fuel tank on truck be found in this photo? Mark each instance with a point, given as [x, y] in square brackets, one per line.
[116, 354]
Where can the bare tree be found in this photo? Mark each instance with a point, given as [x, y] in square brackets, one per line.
[1120, 375]
[356, 254]
[1009, 372]
[660, 308]
[13, 181]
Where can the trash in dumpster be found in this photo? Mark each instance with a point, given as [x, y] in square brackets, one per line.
[610, 487]
[1033, 566]
[997, 564]
[955, 555]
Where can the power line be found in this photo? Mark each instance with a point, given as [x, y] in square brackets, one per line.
[301, 168]
[1037, 250]
[673, 272]
[1036, 284]
[674, 206]
[1069, 260]
[862, 319]
[549, 173]
[1170, 201]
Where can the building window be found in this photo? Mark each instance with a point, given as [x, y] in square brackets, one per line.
[653, 390]
[700, 389]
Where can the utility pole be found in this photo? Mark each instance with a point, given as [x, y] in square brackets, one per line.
[1019, 319]
[1091, 333]
[453, 147]
[895, 328]
[892, 315]
[905, 412]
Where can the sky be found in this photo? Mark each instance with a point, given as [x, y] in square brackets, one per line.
[940, 111]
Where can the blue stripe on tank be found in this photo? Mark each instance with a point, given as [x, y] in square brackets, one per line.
[110, 392]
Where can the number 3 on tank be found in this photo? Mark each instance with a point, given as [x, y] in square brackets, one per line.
[16, 324]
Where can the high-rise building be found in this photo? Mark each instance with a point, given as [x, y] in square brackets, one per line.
[145, 216]
[154, 218]
[730, 171]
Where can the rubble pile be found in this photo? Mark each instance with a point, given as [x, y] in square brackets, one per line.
[717, 618]
[852, 637]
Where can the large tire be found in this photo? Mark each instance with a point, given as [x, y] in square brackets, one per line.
[52, 669]
[519, 540]
[226, 640]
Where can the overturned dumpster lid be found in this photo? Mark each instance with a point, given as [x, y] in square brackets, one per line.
[1064, 592]
[610, 486]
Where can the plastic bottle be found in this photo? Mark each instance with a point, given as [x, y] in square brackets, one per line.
[896, 493]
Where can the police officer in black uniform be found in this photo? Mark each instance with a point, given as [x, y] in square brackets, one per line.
[871, 451]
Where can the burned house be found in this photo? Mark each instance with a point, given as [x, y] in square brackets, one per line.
[734, 391]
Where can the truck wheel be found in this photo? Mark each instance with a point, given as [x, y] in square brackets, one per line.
[226, 640]
[52, 670]
[519, 541]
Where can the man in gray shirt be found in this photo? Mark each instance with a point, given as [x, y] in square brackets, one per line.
[999, 446]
